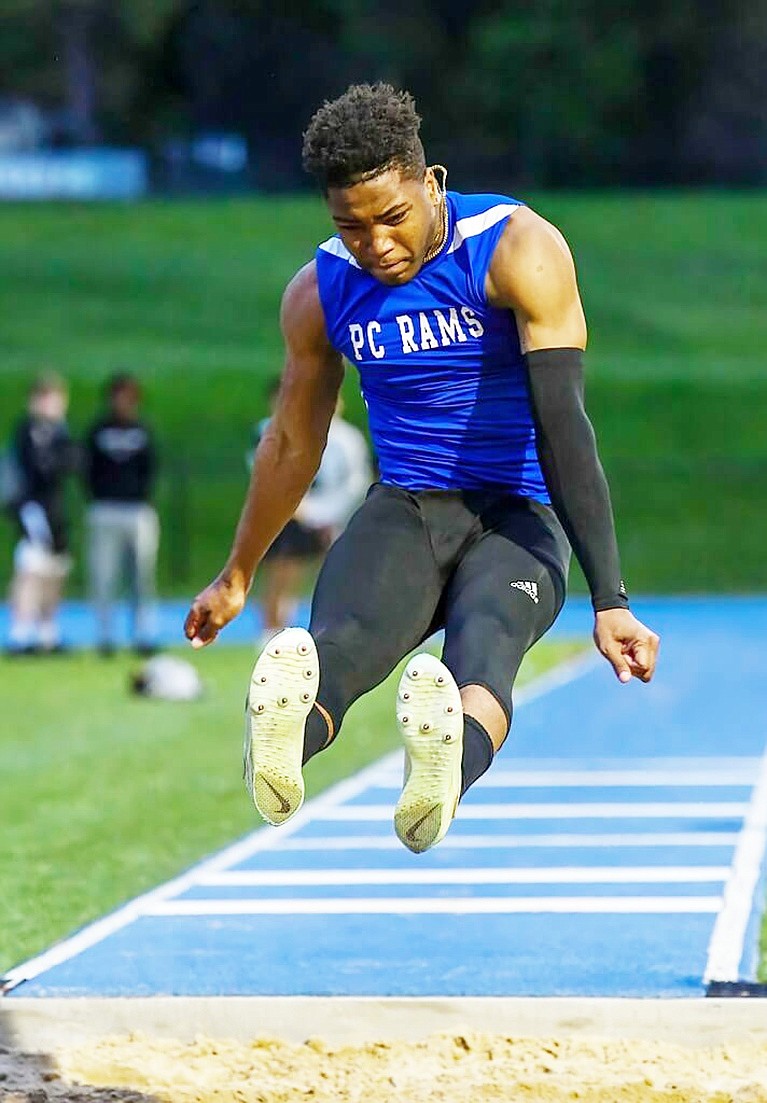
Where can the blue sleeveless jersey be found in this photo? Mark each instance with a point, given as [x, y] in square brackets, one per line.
[441, 370]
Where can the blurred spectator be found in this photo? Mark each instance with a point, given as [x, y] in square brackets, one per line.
[123, 527]
[42, 455]
[22, 126]
[339, 487]
[167, 678]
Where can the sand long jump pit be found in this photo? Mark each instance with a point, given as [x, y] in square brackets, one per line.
[249, 1050]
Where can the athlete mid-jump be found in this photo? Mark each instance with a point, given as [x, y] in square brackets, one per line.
[462, 315]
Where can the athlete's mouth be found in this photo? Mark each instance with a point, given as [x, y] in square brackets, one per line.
[393, 266]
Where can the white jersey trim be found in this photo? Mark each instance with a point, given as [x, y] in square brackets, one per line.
[335, 246]
[477, 223]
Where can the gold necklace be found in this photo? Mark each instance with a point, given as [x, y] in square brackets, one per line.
[436, 246]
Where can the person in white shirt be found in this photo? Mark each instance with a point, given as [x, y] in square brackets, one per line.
[339, 487]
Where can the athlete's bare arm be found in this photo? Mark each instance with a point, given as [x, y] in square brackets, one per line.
[532, 273]
[287, 456]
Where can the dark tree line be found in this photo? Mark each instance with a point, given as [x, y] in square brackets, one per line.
[548, 93]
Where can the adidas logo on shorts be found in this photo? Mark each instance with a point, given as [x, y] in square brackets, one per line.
[529, 588]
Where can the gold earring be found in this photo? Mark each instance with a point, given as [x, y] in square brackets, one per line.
[442, 171]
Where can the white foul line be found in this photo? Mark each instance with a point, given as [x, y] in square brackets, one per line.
[461, 905]
[597, 810]
[725, 949]
[567, 875]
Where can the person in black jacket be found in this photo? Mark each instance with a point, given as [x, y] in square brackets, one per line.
[123, 527]
[43, 454]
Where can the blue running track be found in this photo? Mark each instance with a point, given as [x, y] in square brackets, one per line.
[615, 848]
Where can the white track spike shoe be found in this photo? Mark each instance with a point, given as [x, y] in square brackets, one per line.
[283, 688]
[430, 719]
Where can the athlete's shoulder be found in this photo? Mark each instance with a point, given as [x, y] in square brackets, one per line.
[468, 204]
[301, 315]
[333, 249]
[529, 246]
[530, 230]
[301, 294]
[478, 220]
[532, 272]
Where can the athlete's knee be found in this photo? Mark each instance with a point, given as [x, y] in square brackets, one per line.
[484, 658]
[487, 707]
[353, 658]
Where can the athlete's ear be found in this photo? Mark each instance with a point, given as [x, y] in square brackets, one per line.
[432, 185]
[436, 182]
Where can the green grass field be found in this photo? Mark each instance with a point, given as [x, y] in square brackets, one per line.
[107, 795]
[187, 295]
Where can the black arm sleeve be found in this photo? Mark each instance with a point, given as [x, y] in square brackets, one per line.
[567, 451]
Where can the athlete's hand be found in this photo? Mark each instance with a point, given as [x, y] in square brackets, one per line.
[628, 645]
[213, 608]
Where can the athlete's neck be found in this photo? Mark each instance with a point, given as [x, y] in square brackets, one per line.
[440, 231]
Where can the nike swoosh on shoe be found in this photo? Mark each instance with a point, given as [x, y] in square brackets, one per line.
[283, 689]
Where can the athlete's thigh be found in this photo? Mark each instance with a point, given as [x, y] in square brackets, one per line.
[501, 599]
[377, 591]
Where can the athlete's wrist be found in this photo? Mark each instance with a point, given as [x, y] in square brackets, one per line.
[236, 577]
[616, 599]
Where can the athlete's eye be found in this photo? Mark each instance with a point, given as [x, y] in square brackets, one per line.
[395, 219]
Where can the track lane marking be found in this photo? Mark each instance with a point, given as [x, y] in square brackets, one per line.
[456, 841]
[725, 951]
[478, 905]
[564, 811]
[577, 875]
[543, 779]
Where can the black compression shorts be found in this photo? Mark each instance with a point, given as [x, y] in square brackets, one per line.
[488, 567]
[297, 541]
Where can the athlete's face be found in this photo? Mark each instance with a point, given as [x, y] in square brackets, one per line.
[388, 223]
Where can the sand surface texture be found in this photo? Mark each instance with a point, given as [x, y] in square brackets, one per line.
[472, 1068]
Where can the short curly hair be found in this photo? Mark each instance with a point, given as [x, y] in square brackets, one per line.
[367, 130]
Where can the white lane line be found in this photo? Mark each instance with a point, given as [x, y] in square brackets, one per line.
[618, 779]
[232, 855]
[260, 839]
[709, 764]
[569, 875]
[558, 676]
[539, 811]
[456, 841]
[726, 947]
[497, 905]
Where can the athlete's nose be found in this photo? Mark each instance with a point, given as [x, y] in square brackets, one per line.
[380, 244]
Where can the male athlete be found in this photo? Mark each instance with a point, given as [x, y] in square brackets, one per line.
[462, 315]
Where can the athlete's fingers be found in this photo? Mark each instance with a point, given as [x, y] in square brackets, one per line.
[613, 652]
[206, 634]
[639, 669]
[642, 655]
[199, 627]
[193, 621]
